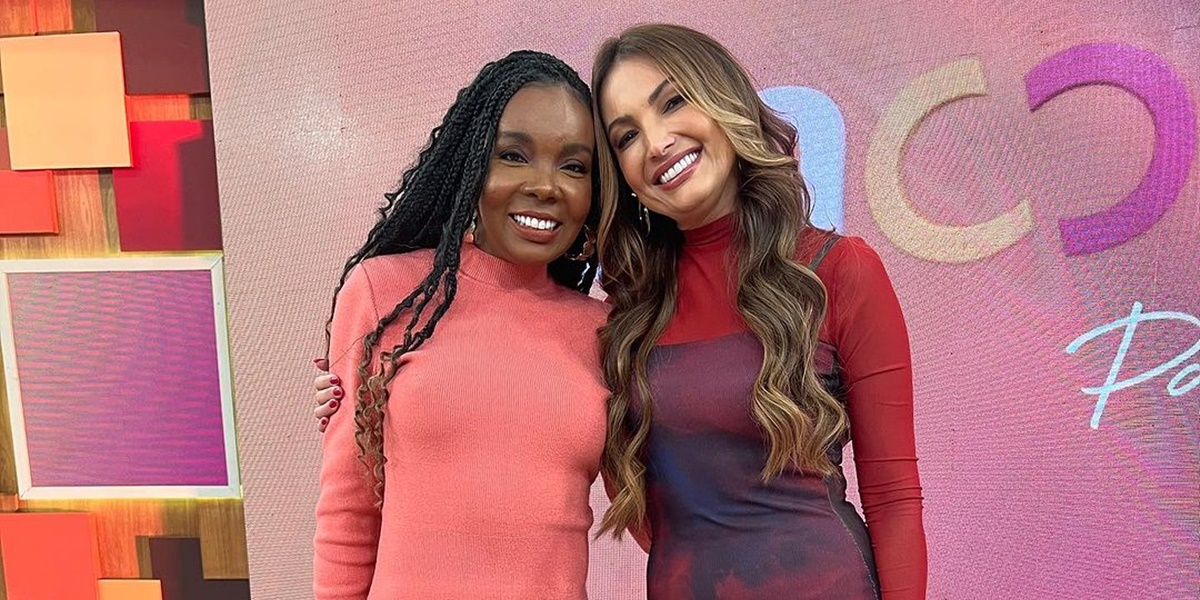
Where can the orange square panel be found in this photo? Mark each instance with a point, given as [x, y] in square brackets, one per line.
[26, 198]
[130, 589]
[65, 101]
[49, 555]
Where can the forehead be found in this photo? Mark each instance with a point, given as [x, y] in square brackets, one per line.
[629, 84]
[548, 111]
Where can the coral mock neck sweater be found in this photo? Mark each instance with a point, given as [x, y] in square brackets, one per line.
[493, 435]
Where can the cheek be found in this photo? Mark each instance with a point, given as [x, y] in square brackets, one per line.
[493, 203]
[724, 146]
[579, 200]
[630, 165]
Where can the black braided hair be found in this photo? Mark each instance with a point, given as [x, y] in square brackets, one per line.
[432, 208]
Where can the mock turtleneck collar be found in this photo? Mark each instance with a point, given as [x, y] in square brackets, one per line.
[713, 235]
[497, 272]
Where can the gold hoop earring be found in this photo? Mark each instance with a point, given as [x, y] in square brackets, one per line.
[589, 246]
[469, 236]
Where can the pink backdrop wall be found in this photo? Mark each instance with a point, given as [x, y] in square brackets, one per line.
[319, 106]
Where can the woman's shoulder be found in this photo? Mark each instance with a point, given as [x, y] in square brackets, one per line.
[414, 264]
[392, 271]
[831, 253]
[586, 308]
[385, 276]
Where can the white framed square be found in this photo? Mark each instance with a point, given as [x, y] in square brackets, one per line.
[10, 332]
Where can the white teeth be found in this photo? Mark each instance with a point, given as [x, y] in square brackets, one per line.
[534, 223]
[678, 167]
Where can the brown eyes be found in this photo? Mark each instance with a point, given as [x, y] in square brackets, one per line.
[670, 105]
[513, 156]
[626, 138]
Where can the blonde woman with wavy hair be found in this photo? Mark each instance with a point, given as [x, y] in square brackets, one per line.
[745, 346]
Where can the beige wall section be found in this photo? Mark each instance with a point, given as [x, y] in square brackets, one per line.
[294, 200]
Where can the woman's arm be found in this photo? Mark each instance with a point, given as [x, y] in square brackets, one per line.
[867, 327]
[348, 521]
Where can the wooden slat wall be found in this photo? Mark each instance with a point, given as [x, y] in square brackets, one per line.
[87, 213]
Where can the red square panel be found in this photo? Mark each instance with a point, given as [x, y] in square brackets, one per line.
[163, 41]
[49, 555]
[168, 200]
[26, 198]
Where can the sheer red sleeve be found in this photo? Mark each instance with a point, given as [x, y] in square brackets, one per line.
[865, 324]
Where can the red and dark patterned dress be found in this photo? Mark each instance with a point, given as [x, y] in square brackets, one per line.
[718, 531]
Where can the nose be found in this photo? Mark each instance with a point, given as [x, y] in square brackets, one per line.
[661, 142]
[542, 184]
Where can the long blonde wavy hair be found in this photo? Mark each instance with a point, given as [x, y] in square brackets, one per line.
[782, 301]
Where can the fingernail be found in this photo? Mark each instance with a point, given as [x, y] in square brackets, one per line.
[337, 392]
[324, 421]
[335, 381]
[317, 360]
[333, 404]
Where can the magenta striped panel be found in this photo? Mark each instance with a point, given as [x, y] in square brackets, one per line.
[119, 378]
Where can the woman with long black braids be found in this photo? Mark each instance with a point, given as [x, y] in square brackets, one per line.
[463, 330]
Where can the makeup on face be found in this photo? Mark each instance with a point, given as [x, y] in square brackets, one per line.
[539, 186]
[675, 157]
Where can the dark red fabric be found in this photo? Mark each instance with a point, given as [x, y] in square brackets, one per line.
[865, 328]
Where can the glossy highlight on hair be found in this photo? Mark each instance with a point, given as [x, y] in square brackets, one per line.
[432, 209]
[783, 302]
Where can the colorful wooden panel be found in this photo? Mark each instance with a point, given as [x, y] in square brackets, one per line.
[176, 562]
[164, 44]
[17, 17]
[130, 589]
[168, 200]
[118, 419]
[49, 555]
[88, 228]
[26, 198]
[54, 16]
[64, 99]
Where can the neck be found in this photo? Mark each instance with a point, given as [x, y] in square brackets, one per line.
[725, 205]
[704, 220]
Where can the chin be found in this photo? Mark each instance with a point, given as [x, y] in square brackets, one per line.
[534, 256]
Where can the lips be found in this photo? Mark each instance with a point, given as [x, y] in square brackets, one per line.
[678, 165]
[539, 228]
[533, 222]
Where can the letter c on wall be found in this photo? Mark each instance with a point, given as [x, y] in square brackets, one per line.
[1151, 80]
[902, 224]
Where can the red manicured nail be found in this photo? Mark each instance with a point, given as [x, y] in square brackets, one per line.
[316, 361]
[335, 381]
[333, 404]
[337, 392]
[324, 421]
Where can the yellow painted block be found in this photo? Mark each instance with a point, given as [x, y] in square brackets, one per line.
[65, 101]
[130, 589]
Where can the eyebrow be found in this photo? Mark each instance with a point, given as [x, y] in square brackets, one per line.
[525, 138]
[658, 90]
[519, 136]
[650, 101]
[576, 148]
